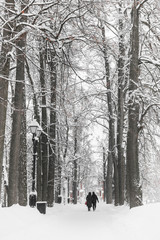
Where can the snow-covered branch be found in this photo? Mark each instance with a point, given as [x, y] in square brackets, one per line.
[150, 61]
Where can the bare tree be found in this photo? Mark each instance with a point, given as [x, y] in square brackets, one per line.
[8, 26]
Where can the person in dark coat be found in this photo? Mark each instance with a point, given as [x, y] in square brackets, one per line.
[89, 201]
[94, 201]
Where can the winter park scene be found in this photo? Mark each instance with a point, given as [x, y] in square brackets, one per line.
[79, 119]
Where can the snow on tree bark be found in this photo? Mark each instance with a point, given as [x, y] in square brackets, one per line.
[4, 74]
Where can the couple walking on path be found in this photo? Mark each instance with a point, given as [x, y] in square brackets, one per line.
[91, 201]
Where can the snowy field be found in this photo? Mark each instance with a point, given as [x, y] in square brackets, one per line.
[74, 222]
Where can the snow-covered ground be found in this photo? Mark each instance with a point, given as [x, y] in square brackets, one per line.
[74, 222]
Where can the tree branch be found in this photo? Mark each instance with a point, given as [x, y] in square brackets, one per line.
[141, 2]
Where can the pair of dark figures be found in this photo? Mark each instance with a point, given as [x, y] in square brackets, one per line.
[91, 201]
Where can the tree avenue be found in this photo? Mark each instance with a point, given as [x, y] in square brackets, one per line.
[88, 73]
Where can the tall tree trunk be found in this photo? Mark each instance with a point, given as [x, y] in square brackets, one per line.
[111, 142]
[44, 139]
[52, 129]
[4, 73]
[39, 171]
[75, 165]
[104, 175]
[22, 185]
[135, 194]
[120, 120]
[109, 180]
[16, 124]
[21, 44]
[59, 175]
[116, 183]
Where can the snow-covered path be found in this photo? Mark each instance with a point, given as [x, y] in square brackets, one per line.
[75, 222]
[80, 223]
